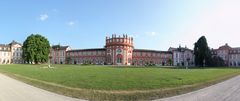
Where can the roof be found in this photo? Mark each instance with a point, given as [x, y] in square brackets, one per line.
[146, 50]
[235, 48]
[7, 47]
[213, 50]
[181, 49]
[14, 43]
[225, 47]
[4, 45]
[92, 49]
[171, 49]
[60, 47]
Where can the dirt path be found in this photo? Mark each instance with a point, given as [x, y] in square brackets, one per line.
[13, 90]
[226, 91]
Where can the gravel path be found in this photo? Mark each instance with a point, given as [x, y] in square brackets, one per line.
[13, 90]
[225, 91]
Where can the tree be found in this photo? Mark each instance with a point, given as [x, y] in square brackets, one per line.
[217, 61]
[36, 49]
[170, 62]
[202, 52]
[68, 59]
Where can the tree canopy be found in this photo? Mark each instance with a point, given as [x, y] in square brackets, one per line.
[36, 49]
[202, 52]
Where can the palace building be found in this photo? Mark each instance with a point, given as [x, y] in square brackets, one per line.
[11, 53]
[5, 54]
[230, 55]
[58, 54]
[118, 50]
[86, 56]
[143, 57]
[182, 56]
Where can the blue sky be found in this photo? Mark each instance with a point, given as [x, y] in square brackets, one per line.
[154, 24]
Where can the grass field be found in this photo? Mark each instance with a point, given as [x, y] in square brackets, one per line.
[106, 82]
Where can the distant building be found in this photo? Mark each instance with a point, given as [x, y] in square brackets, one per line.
[182, 56]
[58, 54]
[143, 57]
[118, 50]
[82, 56]
[11, 53]
[5, 54]
[231, 56]
[16, 52]
[234, 57]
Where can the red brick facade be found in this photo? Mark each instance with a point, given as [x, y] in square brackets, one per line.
[152, 57]
[118, 50]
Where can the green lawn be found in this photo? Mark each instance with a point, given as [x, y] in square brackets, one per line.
[109, 78]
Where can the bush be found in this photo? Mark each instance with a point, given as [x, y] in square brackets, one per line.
[216, 61]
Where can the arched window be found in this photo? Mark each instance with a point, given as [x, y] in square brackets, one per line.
[119, 58]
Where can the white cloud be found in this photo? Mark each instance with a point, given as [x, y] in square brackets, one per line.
[151, 33]
[55, 10]
[71, 23]
[43, 17]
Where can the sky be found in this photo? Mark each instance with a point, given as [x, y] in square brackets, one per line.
[153, 24]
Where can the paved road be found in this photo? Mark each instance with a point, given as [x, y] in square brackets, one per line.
[226, 91]
[13, 90]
